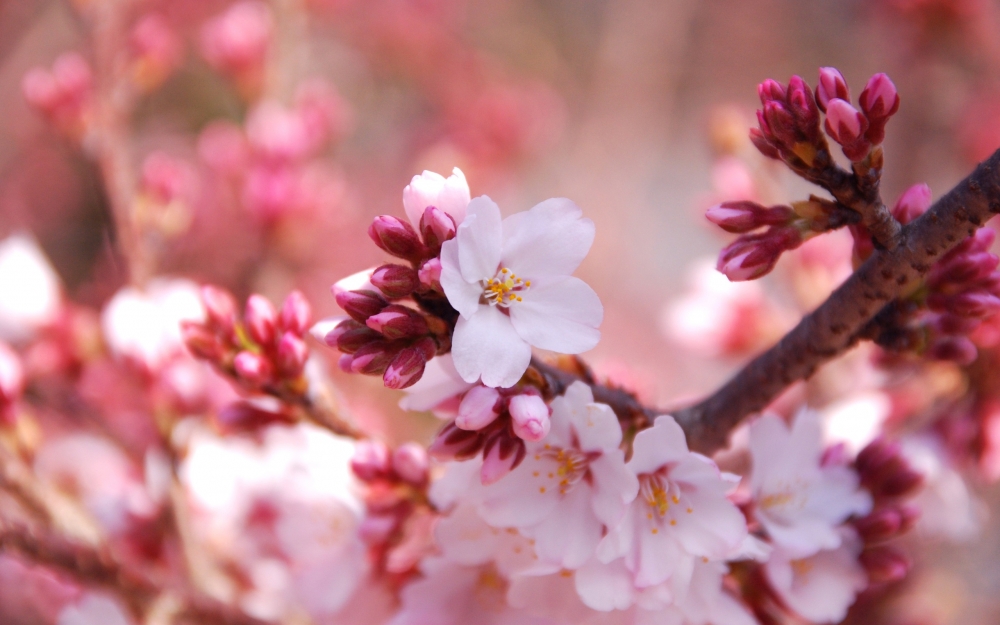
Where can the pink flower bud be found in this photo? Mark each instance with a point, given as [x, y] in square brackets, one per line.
[201, 342]
[803, 107]
[238, 38]
[40, 90]
[398, 322]
[72, 74]
[831, 85]
[349, 336]
[296, 313]
[371, 460]
[252, 367]
[436, 227]
[220, 308]
[884, 564]
[879, 99]
[846, 126]
[250, 416]
[430, 273]
[395, 281]
[530, 416]
[957, 349]
[781, 123]
[501, 455]
[752, 256]
[913, 203]
[374, 358]
[764, 145]
[261, 319]
[880, 525]
[11, 375]
[977, 304]
[344, 363]
[453, 443]
[409, 461]
[361, 304]
[396, 237]
[771, 90]
[744, 216]
[955, 324]
[962, 270]
[157, 48]
[479, 408]
[406, 368]
[292, 354]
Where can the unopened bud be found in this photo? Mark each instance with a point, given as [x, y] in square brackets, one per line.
[879, 101]
[744, 216]
[763, 144]
[220, 308]
[296, 313]
[453, 443]
[374, 358]
[977, 304]
[846, 126]
[396, 237]
[430, 273]
[370, 460]
[361, 304]
[261, 319]
[781, 123]
[200, 341]
[252, 367]
[803, 107]
[409, 461]
[530, 416]
[955, 324]
[880, 525]
[752, 256]
[349, 336]
[831, 85]
[770, 90]
[395, 281]
[479, 408]
[292, 354]
[436, 227]
[884, 564]
[406, 368]
[398, 322]
[912, 204]
[501, 455]
[962, 270]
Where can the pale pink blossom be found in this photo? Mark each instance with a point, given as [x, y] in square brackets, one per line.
[682, 508]
[571, 486]
[699, 600]
[450, 195]
[510, 281]
[436, 389]
[30, 291]
[799, 501]
[238, 38]
[822, 586]
[94, 609]
[947, 507]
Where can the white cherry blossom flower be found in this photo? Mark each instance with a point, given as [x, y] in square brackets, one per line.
[682, 508]
[799, 501]
[450, 195]
[93, 609]
[701, 601]
[510, 281]
[30, 291]
[572, 485]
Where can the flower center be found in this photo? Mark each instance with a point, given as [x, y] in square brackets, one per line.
[661, 495]
[571, 466]
[503, 288]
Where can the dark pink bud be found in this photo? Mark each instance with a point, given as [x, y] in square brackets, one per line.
[349, 336]
[396, 237]
[955, 324]
[831, 85]
[453, 443]
[880, 525]
[409, 461]
[371, 460]
[501, 455]
[430, 274]
[874, 456]
[436, 226]
[296, 313]
[991, 283]
[398, 322]
[201, 342]
[752, 256]
[261, 319]
[846, 126]
[292, 354]
[744, 216]
[781, 123]
[771, 90]
[763, 144]
[803, 107]
[374, 358]
[913, 203]
[957, 349]
[11, 375]
[395, 281]
[479, 408]
[962, 270]
[406, 368]
[344, 363]
[252, 367]
[361, 304]
[879, 100]
[530, 417]
[220, 308]
[977, 304]
[884, 564]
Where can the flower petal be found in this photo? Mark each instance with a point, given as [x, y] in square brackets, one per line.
[462, 294]
[551, 239]
[659, 445]
[569, 536]
[561, 316]
[486, 345]
[479, 240]
[605, 587]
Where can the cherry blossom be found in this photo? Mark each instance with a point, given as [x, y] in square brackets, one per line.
[947, 508]
[799, 501]
[682, 508]
[510, 281]
[572, 485]
[439, 384]
[701, 601]
[450, 195]
[30, 293]
[93, 609]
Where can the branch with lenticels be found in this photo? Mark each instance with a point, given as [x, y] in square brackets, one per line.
[838, 324]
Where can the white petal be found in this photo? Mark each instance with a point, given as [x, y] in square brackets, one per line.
[486, 345]
[661, 444]
[462, 294]
[596, 427]
[605, 587]
[518, 500]
[439, 383]
[479, 239]
[561, 316]
[570, 534]
[551, 239]
[614, 486]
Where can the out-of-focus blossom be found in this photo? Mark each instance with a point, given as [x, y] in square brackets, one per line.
[519, 266]
[30, 293]
[855, 421]
[93, 609]
[947, 508]
[63, 94]
[237, 40]
[450, 195]
[799, 501]
[11, 379]
[157, 50]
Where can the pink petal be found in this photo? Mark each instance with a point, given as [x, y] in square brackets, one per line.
[661, 444]
[486, 345]
[561, 316]
[462, 294]
[551, 239]
[479, 239]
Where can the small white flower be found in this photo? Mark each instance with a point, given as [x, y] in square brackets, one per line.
[510, 281]
[450, 195]
[947, 508]
[571, 486]
[798, 501]
[30, 294]
[93, 609]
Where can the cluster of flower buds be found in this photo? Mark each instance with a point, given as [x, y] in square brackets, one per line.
[856, 131]
[11, 382]
[236, 42]
[62, 94]
[156, 50]
[495, 422]
[264, 351]
[886, 474]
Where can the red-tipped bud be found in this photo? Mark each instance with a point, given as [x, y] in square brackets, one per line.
[344, 363]
[453, 443]
[395, 281]
[976, 304]
[831, 85]
[752, 256]
[374, 358]
[371, 460]
[913, 203]
[965, 269]
[803, 107]
[296, 313]
[250, 416]
[957, 349]
[763, 144]
[261, 319]
[409, 461]
[781, 123]
[11, 376]
[430, 274]
[220, 308]
[479, 408]
[252, 368]
[406, 368]
[201, 342]
[501, 455]
[884, 564]
[771, 90]
[436, 227]
[880, 99]
[744, 216]
[955, 324]
[530, 417]
[398, 322]
[396, 237]
[349, 336]
[846, 126]
[292, 354]
[361, 304]
[880, 525]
